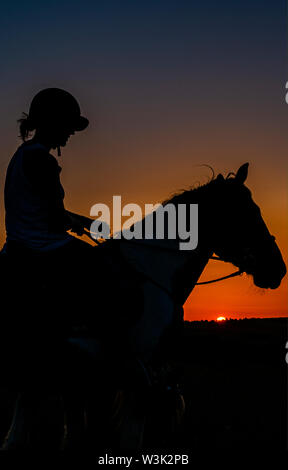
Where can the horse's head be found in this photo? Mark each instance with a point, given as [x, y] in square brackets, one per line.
[240, 235]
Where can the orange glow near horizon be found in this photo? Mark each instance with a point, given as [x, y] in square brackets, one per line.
[220, 319]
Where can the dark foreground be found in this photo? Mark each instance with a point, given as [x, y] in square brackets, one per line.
[235, 384]
[234, 379]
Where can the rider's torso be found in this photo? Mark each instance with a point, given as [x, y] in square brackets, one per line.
[35, 214]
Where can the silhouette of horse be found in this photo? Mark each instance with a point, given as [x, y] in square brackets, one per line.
[230, 226]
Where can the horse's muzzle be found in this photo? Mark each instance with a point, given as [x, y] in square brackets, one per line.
[270, 277]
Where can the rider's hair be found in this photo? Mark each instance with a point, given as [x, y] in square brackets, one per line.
[26, 126]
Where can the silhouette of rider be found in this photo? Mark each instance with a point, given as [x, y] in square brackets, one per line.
[35, 215]
[36, 219]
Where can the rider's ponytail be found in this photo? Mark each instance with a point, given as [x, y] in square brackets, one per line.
[26, 126]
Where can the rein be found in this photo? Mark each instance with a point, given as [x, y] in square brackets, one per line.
[168, 248]
[236, 273]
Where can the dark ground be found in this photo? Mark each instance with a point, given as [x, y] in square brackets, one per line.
[234, 379]
[235, 384]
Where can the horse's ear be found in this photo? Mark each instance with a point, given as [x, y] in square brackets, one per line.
[220, 177]
[242, 173]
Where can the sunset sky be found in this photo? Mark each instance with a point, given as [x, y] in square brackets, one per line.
[167, 86]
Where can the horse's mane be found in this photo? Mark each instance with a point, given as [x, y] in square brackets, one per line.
[198, 192]
[201, 192]
[193, 192]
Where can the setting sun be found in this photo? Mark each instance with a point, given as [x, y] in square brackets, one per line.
[221, 319]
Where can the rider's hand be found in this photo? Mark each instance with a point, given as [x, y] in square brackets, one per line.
[76, 226]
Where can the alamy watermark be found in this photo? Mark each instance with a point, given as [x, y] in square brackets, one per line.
[159, 222]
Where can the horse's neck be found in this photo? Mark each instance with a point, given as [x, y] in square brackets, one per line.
[163, 262]
[187, 276]
[154, 261]
[176, 270]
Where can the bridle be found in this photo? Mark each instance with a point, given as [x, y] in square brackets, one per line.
[168, 248]
[223, 278]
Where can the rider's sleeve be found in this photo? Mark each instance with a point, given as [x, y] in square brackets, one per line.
[43, 173]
